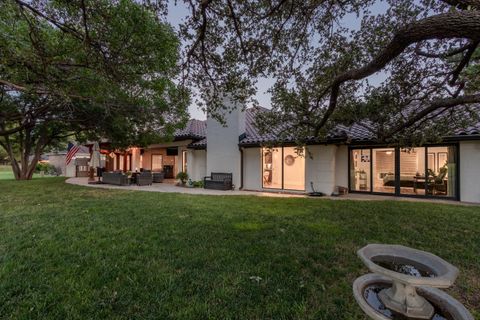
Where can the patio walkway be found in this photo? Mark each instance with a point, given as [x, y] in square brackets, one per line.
[169, 186]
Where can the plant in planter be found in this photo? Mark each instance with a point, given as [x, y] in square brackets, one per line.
[183, 177]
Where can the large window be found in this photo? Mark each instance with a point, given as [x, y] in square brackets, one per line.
[383, 167]
[157, 162]
[441, 172]
[412, 171]
[360, 170]
[422, 171]
[272, 168]
[283, 168]
[293, 169]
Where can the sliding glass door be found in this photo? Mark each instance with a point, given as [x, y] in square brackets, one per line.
[383, 168]
[423, 171]
[283, 168]
[360, 173]
[412, 171]
[441, 172]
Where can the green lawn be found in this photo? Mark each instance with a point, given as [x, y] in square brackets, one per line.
[6, 172]
[68, 252]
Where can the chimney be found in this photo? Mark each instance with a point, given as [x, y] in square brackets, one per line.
[223, 154]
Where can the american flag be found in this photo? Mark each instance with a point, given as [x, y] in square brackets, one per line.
[71, 152]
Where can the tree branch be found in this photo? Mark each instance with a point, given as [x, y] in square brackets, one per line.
[433, 106]
[463, 4]
[464, 24]
[464, 62]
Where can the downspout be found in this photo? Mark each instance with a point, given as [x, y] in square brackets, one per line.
[241, 167]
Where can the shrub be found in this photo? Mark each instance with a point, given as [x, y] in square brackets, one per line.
[198, 184]
[183, 177]
[47, 168]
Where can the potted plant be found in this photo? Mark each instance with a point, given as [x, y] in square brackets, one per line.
[183, 177]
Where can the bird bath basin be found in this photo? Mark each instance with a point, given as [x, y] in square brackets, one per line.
[404, 285]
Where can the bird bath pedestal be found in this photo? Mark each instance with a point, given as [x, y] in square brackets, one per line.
[404, 299]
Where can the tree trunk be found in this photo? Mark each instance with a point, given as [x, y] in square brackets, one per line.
[25, 169]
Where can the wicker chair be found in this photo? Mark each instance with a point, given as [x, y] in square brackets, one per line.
[144, 179]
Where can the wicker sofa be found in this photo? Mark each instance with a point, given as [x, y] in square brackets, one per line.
[115, 178]
[218, 181]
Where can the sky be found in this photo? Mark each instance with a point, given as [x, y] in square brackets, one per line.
[178, 12]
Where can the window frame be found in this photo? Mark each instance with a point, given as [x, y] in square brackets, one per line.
[282, 170]
[397, 172]
[151, 161]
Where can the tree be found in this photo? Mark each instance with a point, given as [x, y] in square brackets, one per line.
[3, 155]
[323, 63]
[86, 69]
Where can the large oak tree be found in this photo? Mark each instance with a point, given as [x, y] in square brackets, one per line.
[324, 54]
[85, 69]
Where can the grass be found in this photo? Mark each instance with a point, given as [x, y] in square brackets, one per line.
[6, 172]
[69, 252]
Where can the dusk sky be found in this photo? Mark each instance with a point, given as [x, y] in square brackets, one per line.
[177, 13]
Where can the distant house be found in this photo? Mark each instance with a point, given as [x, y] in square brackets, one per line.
[349, 158]
[58, 158]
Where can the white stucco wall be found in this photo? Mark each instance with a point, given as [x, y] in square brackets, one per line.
[320, 168]
[196, 164]
[470, 171]
[341, 166]
[58, 160]
[252, 168]
[223, 154]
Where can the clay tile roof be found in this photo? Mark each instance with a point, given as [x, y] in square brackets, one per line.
[202, 144]
[252, 134]
[194, 129]
[197, 129]
[469, 131]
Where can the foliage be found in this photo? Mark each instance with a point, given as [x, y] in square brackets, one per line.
[87, 69]
[3, 154]
[47, 168]
[396, 67]
[198, 184]
[71, 252]
[182, 176]
[472, 73]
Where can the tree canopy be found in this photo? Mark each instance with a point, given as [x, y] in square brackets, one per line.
[323, 54]
[87, 69]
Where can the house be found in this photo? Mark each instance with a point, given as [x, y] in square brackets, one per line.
[57, 159]
[349, 158]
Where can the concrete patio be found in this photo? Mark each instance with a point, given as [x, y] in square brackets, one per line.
[170, 187]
